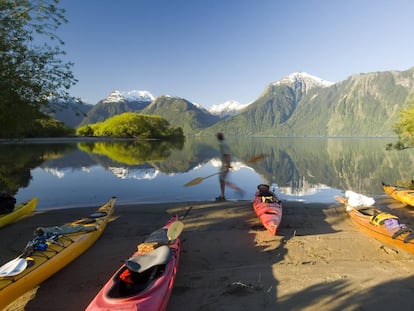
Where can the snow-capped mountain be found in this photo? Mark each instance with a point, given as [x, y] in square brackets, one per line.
[134, 95]
[226, 109]
[305, 79]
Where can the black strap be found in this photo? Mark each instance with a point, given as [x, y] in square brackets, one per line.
[402, 230]
[409, 237]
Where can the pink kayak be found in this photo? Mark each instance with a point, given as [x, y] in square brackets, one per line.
[269, 210]
[145, 281]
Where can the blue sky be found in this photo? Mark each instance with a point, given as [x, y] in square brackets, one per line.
[212, 51]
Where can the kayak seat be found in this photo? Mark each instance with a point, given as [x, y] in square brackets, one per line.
[158, 256]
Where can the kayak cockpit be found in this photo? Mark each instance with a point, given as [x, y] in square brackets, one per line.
[139, 272]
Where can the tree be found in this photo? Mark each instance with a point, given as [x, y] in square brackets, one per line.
[31, 69]
[404, 128]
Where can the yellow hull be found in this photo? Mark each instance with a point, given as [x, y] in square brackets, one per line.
[55, 257]
[19, 211]
[405, 196]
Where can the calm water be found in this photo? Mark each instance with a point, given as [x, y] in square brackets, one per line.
[84, 174]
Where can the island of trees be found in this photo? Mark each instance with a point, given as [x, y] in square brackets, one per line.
[132, 125]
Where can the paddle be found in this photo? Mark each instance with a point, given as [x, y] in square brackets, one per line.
[256, 158]
[13, 267]
[174, 230]
[198, 180]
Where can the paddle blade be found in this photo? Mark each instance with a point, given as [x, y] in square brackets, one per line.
[193, 182]
[13, 267]
[256, 158]
[174, 230]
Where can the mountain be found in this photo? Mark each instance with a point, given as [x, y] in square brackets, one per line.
[129, 96]
[273, 108]
[300, 104]
[303, 105]
[71, 112]
[303, 81]
[227, 109]
[181, 112]
[118, 102]
[362, 105]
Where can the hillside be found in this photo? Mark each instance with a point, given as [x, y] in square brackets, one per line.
[300, 104]
[70, 113]
[362, 105]
[180, 112]
[116, 103]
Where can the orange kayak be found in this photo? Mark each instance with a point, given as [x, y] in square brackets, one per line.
[381, 225]
[402, 195]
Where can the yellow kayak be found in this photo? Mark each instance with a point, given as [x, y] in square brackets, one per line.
[18, 212]
[51, 249]
[402, 195]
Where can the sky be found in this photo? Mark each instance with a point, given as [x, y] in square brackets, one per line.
[213, 51]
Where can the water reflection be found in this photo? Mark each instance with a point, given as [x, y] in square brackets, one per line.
[76, 174]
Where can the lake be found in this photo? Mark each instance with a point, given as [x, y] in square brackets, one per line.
[75, 174]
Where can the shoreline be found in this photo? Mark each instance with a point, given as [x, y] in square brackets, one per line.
[60, 139]
[318, 259]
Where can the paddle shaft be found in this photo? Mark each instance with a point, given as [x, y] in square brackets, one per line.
[212, 175]
[198, 180]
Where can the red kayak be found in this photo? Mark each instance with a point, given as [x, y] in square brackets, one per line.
[268, 208]
[145, 281]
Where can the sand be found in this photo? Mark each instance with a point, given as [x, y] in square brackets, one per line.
[317, 261]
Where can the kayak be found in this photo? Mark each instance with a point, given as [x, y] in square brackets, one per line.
[383, 226]
[269, 211]
[51, 249]
[402, 195]
[18, 212]
[146, 279]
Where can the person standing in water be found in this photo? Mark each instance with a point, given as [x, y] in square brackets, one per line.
[226, 158]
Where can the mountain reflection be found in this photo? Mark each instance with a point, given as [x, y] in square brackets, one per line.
[300, 166]
[125, 173]
[358, 164]
[17, 161]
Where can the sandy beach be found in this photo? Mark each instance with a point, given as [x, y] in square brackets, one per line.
[317, 261]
